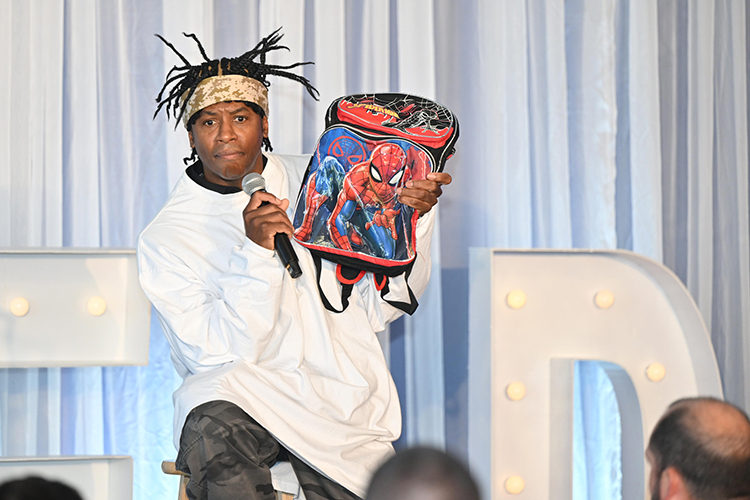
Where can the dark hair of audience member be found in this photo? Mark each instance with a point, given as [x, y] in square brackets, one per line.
[714, 465]
[422, 473]
[37, 488]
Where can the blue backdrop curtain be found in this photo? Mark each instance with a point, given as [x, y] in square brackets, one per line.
[585, 123]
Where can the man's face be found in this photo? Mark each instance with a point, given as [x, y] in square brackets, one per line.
[228, 137]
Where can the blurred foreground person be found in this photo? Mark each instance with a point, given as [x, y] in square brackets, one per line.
[700, 450]
[37, 488]
[422, 474]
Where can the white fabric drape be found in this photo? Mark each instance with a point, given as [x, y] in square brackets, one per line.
[597, 468]
[584, 123]
[704, 136]
[31, 190]
[639, 202]
[605, 124]
[93, 168]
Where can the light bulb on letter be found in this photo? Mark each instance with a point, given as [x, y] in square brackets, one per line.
[515, 391]
[96, 306]
[604, 299]
[514, 485]
[656, 372]
[516, 299]
[19, 306]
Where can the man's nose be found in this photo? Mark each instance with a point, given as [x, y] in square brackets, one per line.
[226, 131]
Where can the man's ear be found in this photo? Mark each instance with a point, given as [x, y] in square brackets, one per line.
[265, 126]
[672, 485]
[190, 138]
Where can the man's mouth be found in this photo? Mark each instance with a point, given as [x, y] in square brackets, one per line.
[229, 154]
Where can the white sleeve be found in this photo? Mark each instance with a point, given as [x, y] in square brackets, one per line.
[381, 312]
[207, 325]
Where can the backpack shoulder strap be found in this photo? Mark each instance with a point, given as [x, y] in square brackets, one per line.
[348, 276]
[407, 307]
[346, 288]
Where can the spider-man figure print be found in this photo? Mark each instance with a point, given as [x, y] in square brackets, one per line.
[322, 185]
[369, 191]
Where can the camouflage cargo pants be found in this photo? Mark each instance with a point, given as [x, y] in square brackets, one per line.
[228, 456]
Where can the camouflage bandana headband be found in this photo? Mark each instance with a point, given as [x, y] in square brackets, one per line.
[223, 88]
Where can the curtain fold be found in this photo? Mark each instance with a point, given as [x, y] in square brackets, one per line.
[730, 294]
[32, 106]
[330, 61]
[548, 142]
[592, 121]
[700, 143]
[638, 128]
[81, 155]
[503, 173]
[6, 202]
[285, 100]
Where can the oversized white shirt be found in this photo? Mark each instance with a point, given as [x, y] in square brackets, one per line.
[242, 330]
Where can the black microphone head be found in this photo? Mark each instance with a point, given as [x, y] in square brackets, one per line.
[253, 182]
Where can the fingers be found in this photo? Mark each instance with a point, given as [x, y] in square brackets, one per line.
[420, 200]
[423, 194]
[260, 197]
[263, 222]
[441, 178]
[432, 183]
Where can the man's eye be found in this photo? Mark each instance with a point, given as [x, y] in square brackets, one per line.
[208, 122]
[241, 118]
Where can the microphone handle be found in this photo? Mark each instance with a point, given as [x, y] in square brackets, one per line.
[286, 253]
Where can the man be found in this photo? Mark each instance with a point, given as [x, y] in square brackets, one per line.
[422, 474]
[700, 450]
[268, 372]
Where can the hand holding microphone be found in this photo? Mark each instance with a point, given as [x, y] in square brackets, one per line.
[267, 220]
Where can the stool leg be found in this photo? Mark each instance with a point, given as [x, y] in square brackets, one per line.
[169, 468]
[183, 488]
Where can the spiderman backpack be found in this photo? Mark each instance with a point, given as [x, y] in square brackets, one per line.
[347, 211]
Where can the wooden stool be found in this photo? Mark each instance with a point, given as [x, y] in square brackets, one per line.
[169, 468]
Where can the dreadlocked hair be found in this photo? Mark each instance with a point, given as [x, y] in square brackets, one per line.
[186, 78]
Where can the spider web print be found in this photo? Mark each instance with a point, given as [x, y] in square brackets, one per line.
[413, 114]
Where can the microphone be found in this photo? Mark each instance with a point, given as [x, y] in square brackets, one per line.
[251, 183]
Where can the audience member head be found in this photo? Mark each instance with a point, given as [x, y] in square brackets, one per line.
[422, 474]
[37, 488]
[700, 450]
